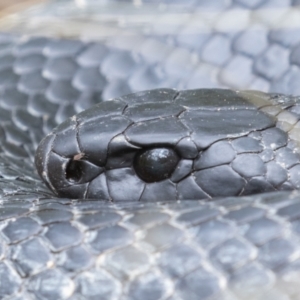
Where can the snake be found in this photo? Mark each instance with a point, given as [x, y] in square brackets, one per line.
[152, 165]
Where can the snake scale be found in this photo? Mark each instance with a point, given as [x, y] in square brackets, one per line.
[151, 243]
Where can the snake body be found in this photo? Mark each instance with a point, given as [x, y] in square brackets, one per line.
[161, 245]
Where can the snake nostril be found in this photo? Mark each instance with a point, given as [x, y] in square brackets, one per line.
[74, 171]
[80, 171]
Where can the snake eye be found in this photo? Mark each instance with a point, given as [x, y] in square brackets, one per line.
[155, 164]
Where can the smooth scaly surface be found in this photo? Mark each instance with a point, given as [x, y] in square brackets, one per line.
[234, 248]
[222, 142]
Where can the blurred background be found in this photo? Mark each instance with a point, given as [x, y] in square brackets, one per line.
[184, 44]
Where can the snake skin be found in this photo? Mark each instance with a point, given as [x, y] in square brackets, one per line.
[224, 143]
[233, 248]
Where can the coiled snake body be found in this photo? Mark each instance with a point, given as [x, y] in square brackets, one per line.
[142, 230]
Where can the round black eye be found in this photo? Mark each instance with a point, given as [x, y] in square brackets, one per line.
[155, 164]
[74, 171]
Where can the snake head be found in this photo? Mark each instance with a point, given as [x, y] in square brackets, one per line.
[161, 144]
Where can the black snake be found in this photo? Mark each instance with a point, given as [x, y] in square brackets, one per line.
[230, 248]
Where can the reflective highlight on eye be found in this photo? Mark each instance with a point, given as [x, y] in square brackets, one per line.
[155, 164]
